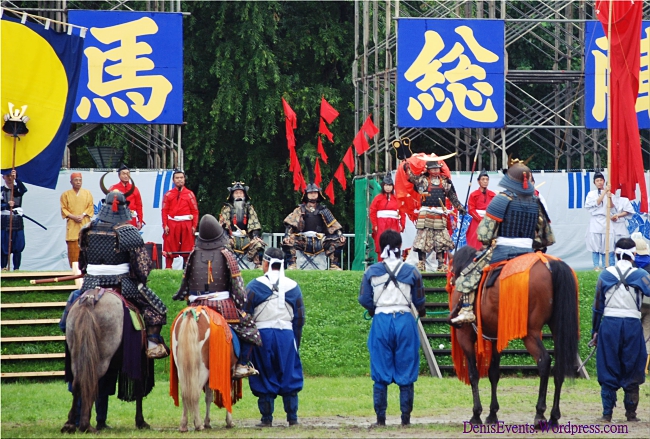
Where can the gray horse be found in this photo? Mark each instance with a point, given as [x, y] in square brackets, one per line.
[94, 335]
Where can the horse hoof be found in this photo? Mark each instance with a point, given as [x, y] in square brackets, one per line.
[199, 427]
[143, 426]
[491, 420]
[231, 425]
[69, 428]
[539, 422]
[207, 426]
[183, 429]
[476, 420]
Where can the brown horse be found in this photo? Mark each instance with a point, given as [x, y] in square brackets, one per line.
[552, 300]
[203, 359]
[94, 336]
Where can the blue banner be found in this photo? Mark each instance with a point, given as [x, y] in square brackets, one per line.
[596, 77]
[40, 72]
[450, 73]
[132, 68]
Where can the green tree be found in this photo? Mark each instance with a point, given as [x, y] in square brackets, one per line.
[240, 59]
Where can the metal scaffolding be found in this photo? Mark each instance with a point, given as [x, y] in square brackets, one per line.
[544, 107]
[160, 143]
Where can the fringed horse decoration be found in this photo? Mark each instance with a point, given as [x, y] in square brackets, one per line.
[202, 359]
[549, 295]
[94, 330]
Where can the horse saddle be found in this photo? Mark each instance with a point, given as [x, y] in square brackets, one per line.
[225, 307]
[96, 294]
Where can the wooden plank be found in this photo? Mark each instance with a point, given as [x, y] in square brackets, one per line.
[29, 322]
[426, 346]
[38, 288]
[30, 274]
[32, 339]
[32, 356]
[33, 305]
[57, 373]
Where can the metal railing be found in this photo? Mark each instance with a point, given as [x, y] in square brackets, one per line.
[275, 240]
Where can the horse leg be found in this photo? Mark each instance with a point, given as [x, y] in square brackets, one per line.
[139, 417]
[537, 350]
[183, 427]
[555, 411]
[494, 374]
[69, 426]
[209, 396]
[473, 379]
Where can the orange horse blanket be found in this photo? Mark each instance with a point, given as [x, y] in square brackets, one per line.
[513, 312]
[220, 346]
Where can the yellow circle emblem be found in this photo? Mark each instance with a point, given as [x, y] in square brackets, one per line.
[32, 75]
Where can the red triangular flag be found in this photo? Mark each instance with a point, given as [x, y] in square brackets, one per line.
[340, 176]
[317, 175]
[321, 150]
[348, 159]
[327, 112]
[293, 159]
[322, 128]
[291, 123]
[370, 128]
[329, 191]
[298, 180]
[360, 143]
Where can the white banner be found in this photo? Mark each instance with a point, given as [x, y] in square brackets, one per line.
[46, 250]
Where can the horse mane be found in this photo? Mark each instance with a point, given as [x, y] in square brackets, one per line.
[462, 258]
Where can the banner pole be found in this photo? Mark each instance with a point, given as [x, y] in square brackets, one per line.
[609, 131]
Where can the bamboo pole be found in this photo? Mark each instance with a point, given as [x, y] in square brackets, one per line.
[609, 132]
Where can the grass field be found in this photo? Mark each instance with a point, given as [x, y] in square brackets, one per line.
[337, 398]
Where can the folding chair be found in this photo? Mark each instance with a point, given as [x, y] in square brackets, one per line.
[307, 261]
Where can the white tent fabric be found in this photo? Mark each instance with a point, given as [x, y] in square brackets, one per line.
[564, 192]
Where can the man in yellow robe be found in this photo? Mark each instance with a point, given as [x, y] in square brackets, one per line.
[77, 209]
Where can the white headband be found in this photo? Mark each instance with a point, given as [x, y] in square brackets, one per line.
[626, 251]
[389, 253]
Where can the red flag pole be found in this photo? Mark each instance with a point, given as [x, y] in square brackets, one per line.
[609, 129]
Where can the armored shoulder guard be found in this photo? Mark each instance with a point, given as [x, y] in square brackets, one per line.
[327, 216]
[498, 206]
[128, 238]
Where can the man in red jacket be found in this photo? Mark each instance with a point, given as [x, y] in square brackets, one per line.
[476, 206]
[180, 217]
[134, 200]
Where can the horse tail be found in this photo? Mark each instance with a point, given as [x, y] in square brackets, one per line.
[564, 323]
[85, 353]
[188, 357]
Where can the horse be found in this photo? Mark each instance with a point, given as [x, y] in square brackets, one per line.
[552, 300]
[94, 337]
[203, 359]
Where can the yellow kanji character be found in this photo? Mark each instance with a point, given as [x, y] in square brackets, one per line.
[130, 60]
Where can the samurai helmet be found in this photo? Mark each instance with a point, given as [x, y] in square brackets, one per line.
[238, 186]
[312, 187]
[211, 234]
[434, 165]
[127, 194]
[517, 179]
[115, 209]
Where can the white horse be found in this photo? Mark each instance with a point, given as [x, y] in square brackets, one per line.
[197, 344]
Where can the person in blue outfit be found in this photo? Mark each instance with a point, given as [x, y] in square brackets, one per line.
[12, 184]
[387, 291]
[617, 332]
[276, 304]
